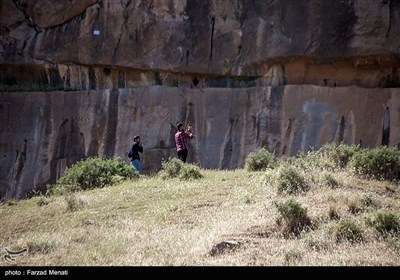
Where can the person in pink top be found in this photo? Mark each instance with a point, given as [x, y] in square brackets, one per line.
[180, 140]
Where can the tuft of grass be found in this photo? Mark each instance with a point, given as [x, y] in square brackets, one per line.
[42, 201]
[293, 215]
[385, 223]
[348, 231]
[290, 181]
[73, 203]
[352, 204]
[40, 247]
[12, 202]
[394, 244]
[332, 212]
[260, 160]
[316, 244]
[329, 180]
[248, 199]
[292, 257]
[367, 200]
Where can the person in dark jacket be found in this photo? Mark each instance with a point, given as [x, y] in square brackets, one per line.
[134, 153]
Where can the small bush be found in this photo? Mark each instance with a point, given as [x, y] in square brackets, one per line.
[95, 173]
[290, 181]
[175, 168]
[385, 223]
[190, 171]
[260, 160]
[40, 247]
[381, 163]
[348, 230]
[329, 157]
[333, 213]
[352, 204]
[247, 199]
[73, 203]
[366, 200]
[171, 168]
[292, 257]
[316, 245]
[394, 244]
[12, 202]
[340, 155]
[293, 215]
[42, 201]
[329, 180]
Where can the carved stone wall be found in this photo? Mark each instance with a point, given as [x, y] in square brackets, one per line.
[80, 78]
[44, 132]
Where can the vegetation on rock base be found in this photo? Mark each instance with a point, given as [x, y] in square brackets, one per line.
[344, 218]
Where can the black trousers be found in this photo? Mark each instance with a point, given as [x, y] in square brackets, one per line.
[182, 155]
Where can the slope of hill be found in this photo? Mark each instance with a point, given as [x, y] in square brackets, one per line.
[226, 218]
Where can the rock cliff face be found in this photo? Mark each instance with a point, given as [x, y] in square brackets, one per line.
[80, 78]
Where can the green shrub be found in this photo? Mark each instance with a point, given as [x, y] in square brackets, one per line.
[73, 203]
[385, 222]
[290, 181]
[332, 211]
[394, 244]
[171, 168]
[352, 204]
[260, 160]
[42, 201]
[175, 168]
[315, 244]
[190, 171]
[329, 180]
[330, 156]
[380, 163]
[339, 155]
[292, 257]
[293, 215]
[366, 200]
[318, 159]
[40, 247]
[348, 230]
[12, 202]
[95, 173]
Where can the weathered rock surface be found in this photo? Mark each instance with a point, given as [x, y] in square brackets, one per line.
[80, 78]
[42, 133]
[353, 42]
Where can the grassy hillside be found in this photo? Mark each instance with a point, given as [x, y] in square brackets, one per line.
[225, 218]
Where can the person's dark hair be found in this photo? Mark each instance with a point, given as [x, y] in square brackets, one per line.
[136, 137]
[179, 125]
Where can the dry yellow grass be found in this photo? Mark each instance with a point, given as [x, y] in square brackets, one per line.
[170, 222]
